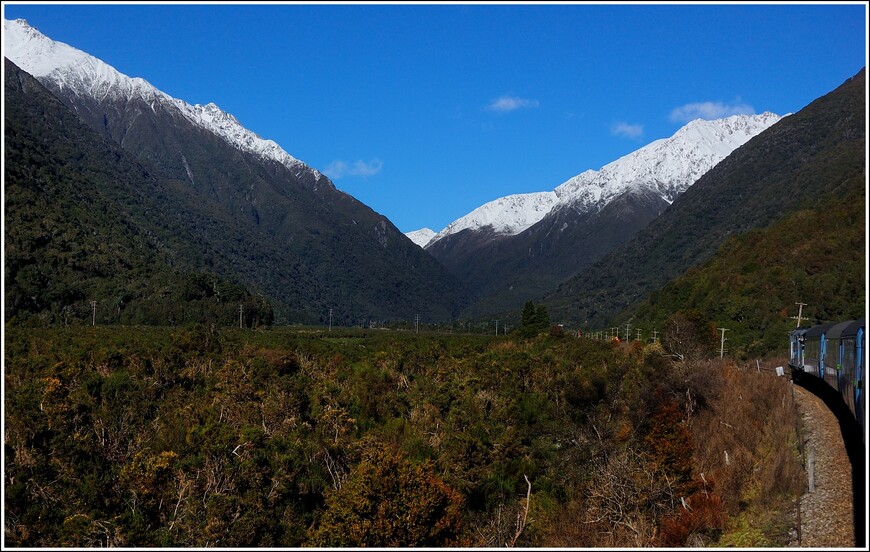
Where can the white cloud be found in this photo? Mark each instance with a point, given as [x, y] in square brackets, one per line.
[709, 110]
[626, 130]
[505, 104]
[338, 169]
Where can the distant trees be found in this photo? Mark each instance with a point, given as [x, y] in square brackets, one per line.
[535, 319]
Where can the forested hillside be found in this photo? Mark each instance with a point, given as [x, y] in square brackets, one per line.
[85, 222]
[754, 282]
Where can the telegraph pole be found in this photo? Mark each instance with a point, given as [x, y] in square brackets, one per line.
[496, 327]
[330, 320]
[654, 335]
[627, 332]
[94, 316]
[800, 310]
[722, 342]
[240, 315]
[638, 334]
[416, 323]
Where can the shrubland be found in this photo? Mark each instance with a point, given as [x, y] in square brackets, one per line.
[295, 437]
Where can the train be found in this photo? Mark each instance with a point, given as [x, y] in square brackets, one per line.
[836, 353]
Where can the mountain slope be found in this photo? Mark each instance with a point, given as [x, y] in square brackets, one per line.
[85, 222]
[807, 157]
[521, 247]
[753, 282]
[308, 246]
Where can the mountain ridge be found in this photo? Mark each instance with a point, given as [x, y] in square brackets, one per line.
[89, 76]
[814, 153]
[669, 165]
[308, 246]
[589, 215]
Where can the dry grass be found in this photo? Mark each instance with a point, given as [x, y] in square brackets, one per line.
[746, 441]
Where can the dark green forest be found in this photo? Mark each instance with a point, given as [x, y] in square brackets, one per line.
[196, 436]
[84, 222]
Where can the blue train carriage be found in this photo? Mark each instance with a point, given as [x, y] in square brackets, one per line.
[837, 354]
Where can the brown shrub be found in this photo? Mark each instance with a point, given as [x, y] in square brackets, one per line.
[747, 441]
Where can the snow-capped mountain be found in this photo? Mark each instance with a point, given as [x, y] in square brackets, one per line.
[518, 247]
[232, 203]
[507, 215]
[422, 236]
[82, 74]
[667, 167]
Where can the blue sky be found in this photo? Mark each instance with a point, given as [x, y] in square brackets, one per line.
[424, 112]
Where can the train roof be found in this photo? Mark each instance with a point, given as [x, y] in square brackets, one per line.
[836, 330]
[816, 331]
[852, 329]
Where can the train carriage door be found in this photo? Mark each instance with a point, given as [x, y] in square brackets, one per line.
[860, 366]
[837, 358]
[823, 348]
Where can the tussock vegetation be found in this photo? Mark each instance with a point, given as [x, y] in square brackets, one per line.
[196, 437]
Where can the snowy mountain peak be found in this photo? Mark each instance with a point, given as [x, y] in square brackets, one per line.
[421, 237]
[69, 68]
[668, 166]
[508, 215]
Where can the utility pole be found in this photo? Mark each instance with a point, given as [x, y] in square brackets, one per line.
[800, 310]
[627, 331]
[496, 327]
[240, 315]
[330, 320]
[654, 335]
[94, 316]
[416, 323]
[638, 334]
[722, 342]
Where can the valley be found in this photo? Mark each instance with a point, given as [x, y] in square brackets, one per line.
[207, 343]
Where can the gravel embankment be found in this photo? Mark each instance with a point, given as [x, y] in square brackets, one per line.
[826, 513]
